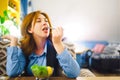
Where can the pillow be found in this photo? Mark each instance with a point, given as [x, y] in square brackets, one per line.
[98, 48]
[3, 56]
[70, 46]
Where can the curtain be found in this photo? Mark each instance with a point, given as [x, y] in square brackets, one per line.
[24, 8]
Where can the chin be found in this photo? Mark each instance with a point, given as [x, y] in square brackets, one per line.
[46, 36]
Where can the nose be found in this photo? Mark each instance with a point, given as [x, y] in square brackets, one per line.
[44, 24]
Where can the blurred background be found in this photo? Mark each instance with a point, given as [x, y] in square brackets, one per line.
[81, 19]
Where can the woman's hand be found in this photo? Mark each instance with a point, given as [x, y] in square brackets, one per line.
[57, 34]
[14, 40]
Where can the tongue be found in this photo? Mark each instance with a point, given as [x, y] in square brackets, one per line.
[45, 28]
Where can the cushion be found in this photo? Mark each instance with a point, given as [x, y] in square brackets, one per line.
[3, 46]
[98, 48]
[70, 46]
[91, 44]
[84, 72]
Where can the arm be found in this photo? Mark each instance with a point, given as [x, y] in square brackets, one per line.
[13, 39]
[15, 58]
[15, 61]
[68, 64]
[57, 39]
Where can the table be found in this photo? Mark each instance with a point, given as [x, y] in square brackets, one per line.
[98, 78]
[33, 78]
[65, 78]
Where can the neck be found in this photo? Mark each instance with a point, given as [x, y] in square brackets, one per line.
[40, 45]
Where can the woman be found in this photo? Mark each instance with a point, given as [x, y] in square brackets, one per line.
[39, 45]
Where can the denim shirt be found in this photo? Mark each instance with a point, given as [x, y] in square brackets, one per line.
[16, 62]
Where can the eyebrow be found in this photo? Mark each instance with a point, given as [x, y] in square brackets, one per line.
[41, 18]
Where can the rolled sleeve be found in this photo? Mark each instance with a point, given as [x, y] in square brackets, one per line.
[15, 61]
[15, 53]
[68, 64]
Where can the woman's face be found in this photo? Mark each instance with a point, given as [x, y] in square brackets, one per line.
[41, 27]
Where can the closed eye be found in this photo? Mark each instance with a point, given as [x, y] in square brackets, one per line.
[39, 20]
[45, 20]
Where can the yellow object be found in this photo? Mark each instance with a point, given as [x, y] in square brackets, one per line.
[50, 70]
[3, 6]
[13, 6]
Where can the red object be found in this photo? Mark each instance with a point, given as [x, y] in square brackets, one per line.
[98, 48]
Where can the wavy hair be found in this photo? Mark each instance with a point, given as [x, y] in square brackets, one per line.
[27, 41]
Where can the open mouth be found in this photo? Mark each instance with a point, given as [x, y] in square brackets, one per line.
[45, 28]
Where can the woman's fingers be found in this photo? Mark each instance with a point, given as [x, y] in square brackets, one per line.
[6, 37]
[14, 40]
[57, 34]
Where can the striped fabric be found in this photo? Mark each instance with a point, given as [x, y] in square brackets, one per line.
[3, 46]
[84, 72]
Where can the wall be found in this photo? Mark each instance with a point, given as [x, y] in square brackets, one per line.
[119, 22]
[84, 19]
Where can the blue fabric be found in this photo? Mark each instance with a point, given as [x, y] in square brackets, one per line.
[24, 8]
[68, 64]
[84, 59]
[35, 59]
[16, 62]
[91, 44]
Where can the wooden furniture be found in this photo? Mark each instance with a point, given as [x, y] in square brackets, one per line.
[33, 78]
[65, 78]
[98, 78]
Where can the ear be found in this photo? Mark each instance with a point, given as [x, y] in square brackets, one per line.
[30, 30]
